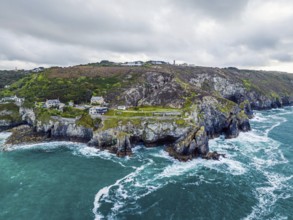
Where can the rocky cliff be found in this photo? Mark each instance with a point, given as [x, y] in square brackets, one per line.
[209, 102]
[9, 116]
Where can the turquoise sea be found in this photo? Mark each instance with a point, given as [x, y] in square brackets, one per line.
[63, 180]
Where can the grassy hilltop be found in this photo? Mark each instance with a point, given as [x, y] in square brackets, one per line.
[180, 105]
[79, 83]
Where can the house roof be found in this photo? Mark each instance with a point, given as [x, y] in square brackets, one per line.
[53, 101]
[97, 98]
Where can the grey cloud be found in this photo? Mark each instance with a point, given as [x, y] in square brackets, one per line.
[283, 57]
[258, 42]
[224, 9]
[212, 33]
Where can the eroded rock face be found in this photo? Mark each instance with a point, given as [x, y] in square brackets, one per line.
[158, 89]
[64, 129]
[192, 144]
[207, 89]
[10, 119]
[114, 141]
[24, 134]
[27, 115]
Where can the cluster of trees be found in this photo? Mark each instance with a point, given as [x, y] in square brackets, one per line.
[10, 76]
[38, 87]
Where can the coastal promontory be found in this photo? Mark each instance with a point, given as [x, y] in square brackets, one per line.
[115, 107]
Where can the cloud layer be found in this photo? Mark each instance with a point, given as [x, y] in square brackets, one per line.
[243, 33]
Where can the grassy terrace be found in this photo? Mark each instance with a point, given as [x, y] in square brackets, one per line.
[145, 111]
[136, 115]
[9, 112]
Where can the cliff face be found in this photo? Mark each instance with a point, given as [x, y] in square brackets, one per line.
[64, 129]
[9, 116]
[210, 102]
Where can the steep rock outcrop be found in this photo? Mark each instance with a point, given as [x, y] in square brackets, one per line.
[223, 118]
[28, 115]
[66, 129]
[115, 141]
[192, 144]
[9, 116]
[158, 89]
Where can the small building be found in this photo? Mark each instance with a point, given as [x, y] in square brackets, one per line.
[37, 70]
[13, 99]
[98, 110]
[19, 100]
[97, 100]
[71, 103]
[156, 62]
[121, 107]
[9, 99]
[82, 107]
[53, 103]
[135, 63]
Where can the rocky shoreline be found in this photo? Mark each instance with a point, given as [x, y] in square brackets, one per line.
[210, 102]
[191, 142]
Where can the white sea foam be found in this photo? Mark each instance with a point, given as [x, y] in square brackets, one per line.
[103, 194]
[267, 197]
[163, 154]
[279, 121]
[4, 135]
[46, 145]
[256, 146]
[258, 117]
[270, 157]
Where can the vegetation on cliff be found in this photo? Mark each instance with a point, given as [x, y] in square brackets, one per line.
[181, 105]
[10, 76]
[9, 112]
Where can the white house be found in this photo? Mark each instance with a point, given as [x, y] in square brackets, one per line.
[19, 100]
[155, 62]
[98, 100]
[39, 69]
[53, 103]
[12, 99]
[121, 107]
[98, 110]
[82, 107]
[71, 103]
[135, 63]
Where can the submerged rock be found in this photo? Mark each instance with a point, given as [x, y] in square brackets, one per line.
[190, 145]
[213, 156]
[24, 134]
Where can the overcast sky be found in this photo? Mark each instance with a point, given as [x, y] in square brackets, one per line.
[242, 33]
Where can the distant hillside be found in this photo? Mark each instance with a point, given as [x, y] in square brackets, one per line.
[10, 76]
[177, 105]
[164, 85]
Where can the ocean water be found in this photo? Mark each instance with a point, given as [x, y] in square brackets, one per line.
[63, 180]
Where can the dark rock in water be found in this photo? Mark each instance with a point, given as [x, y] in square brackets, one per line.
[114, 141]
[202, 141]
[180, 157]
[192, 144]
[213, 156]
[231, 130]
[123, 147]
[287, 101]
[244, 125]
[24, 134]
